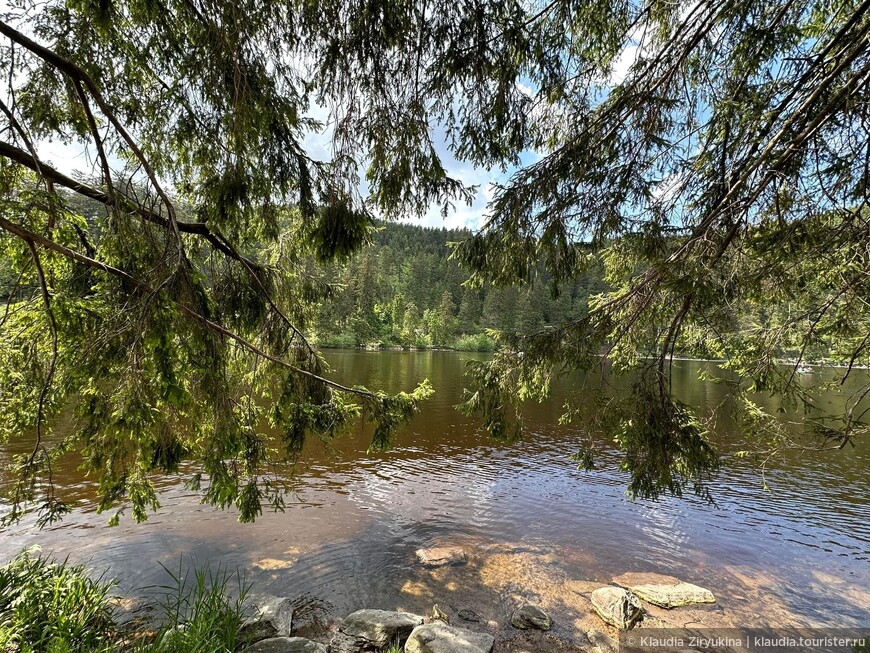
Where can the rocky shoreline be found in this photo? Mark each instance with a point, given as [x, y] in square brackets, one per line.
[629, 600]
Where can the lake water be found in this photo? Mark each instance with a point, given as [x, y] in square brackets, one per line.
[531, 522]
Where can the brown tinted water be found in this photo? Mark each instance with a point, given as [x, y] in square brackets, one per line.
[532, 523]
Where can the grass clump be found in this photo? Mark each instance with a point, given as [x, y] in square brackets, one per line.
[56, 607]
[199, 614]
[53, 607]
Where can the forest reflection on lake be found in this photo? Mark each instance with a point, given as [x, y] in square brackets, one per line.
[531, 520]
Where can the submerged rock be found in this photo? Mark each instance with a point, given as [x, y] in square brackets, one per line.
[530, 616]
[601, 642]
[438, 637]
[274, 618]
[469, 615]
[673, 596]
[371, 630]
[442, 556]
[617, 606]
[286, 645]
[583, 587]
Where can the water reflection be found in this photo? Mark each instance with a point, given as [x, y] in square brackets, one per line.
[533, 522]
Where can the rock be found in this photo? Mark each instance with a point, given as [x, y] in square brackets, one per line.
[617, 606]
[673, 596]
[438, 637]
[370, 630]
[274, 618]
[530, 616]
[286, 645]
[442, 556]
[469, 615]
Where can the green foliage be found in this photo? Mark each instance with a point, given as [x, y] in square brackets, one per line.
[48, 607]
[53, 607]
[388, 412]
[202, 615]
[479, 342]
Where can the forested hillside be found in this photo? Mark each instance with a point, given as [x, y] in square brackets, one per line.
[404, 290]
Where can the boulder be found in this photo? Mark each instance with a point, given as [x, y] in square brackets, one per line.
[371, 630]
[529, 616]
[673, 596]
[617, 606]
[438, 637]
[442, 556]
[286, 645]
[273, 618]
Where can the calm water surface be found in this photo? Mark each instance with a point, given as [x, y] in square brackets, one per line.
[530, 520]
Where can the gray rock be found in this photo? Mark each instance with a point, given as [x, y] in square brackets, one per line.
[286, 645]
[370, 630]
[273, 618]
[617, 606]
[438, 637]
[530, 616]
[673, 596]
[442, 556]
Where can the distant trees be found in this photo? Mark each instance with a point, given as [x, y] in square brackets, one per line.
[405, 290]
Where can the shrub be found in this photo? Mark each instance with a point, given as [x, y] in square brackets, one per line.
[338, 341]
[476, 342]
[53, 607]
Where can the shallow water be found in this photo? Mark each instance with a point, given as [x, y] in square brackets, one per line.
[532, 522]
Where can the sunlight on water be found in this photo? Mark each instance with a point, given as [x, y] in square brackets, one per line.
[534, 525]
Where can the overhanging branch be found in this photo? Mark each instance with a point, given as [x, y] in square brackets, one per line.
[47, 243]
[122, 202]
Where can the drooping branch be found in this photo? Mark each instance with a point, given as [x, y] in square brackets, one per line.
[49, 244]
[77, 74]
[124, 203]
[118, 200]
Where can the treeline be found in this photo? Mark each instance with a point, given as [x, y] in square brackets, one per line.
[404, 290]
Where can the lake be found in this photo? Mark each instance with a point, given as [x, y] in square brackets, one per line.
[531, 522]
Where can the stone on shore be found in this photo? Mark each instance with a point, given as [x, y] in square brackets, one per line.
[273, 618]
[438, 637]
[442, 556]
[673, 596]
[617, 606]
[529, 616]
[664, 591]
[286, 645]
[372, 630]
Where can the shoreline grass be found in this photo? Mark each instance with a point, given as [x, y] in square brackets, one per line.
[57, 607]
